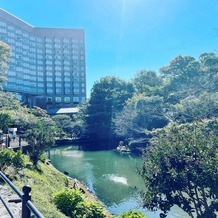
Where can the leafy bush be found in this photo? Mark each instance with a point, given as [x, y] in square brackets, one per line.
[9, 157]
[132, 214]
[72, 203]
[89, 210]
[67, 201]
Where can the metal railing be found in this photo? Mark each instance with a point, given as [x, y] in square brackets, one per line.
[25, 198]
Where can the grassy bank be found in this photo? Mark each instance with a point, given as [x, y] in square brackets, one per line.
[45, 182]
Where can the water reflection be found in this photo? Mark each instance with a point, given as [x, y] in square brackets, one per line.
[112, 176]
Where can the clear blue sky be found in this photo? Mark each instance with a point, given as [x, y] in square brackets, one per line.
[126, 36]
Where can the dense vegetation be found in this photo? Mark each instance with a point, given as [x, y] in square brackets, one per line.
[170, 115]
[184, 91]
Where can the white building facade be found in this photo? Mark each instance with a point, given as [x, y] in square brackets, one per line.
[47, 67]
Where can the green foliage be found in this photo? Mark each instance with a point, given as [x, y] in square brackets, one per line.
[64, 123]
[132, 214]
[67, 201]
[180, 168]
[5, 121]
[108, 97]
[39, 138]
[141, 113]
[89, 210]
[72, 203]
[9, 157]
[147, 83]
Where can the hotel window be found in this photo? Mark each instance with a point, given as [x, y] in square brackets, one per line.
[41, 85]
[33, 78]
[76, 99]
[39, 40]
[66, 79]
[67, 91]
[11, 40]
[32, 38]
[83, 99]
[49, 85]
[48, 40]
[76, 90]
[58, 99]
[40, 62]
[11, 34]
[40, 79]
[48, 45]
[58, 90]
[48, 62]
[25, 35]
[40, 90]
[57, 40]
[57, 68]
[66, 84]
[39, 50]
[58, 73]
[39, 56]
[12, 79]
[3, 31]
[49, 91]
[66, 68]
[76, 85]
[48, 68]
[57, 45]
[48, 51]
[67, 99]
[10, 27]
[40, 73]
[20, 87]
[66, 74]
[58, 84]
[49, 79]
[11, 73]
[26, 76]
[66, 40]
[32, 67]
[26, 83]
[49, 73]
[58, 79]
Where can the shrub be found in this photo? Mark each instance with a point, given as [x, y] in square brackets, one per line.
[132, 214]
[66, 201]
[89, 210]
[9, 157]
[72, 203]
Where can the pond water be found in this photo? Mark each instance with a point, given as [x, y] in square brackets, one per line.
[112, 176]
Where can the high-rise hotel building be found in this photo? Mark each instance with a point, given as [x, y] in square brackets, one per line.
[47, 67]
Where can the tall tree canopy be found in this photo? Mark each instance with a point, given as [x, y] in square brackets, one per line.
[181, 168]
[108, 97]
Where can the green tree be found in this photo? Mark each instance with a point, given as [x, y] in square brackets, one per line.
[147, 83]
[140, 115]
[40, 137]
[181, 77]
[64, 123]
[5, 121]
[192, 108]
[5, 53]
[180, 168]
[108, 97]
